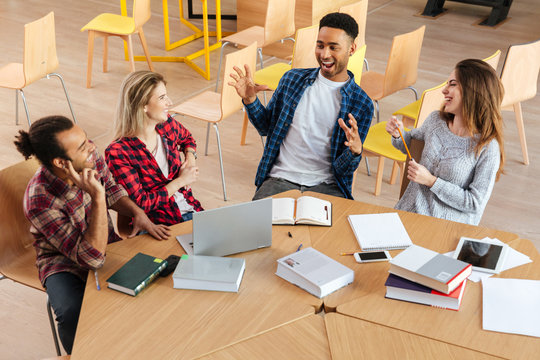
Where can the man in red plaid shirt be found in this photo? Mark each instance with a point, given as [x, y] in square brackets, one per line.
[67, 204]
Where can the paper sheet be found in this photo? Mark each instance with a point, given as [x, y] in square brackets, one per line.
[511, 306]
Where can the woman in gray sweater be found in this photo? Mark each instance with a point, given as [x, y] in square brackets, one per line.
[463, 154]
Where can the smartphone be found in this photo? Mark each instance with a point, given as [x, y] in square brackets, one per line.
[363, 257]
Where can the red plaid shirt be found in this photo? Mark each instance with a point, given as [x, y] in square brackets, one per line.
[59, 215]
[135, 168]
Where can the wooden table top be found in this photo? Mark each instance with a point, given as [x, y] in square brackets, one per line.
[352, 338]
[163, 322]
[463, 327]
[300, 339]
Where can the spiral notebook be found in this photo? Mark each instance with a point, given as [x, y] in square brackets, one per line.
[376, 232]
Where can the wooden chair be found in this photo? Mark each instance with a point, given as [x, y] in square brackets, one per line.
[39, 61]
[409, 112]
[378, 141]
[106, 25]
[358, 11]
[278, 25]
[519, 77]
[401, 68]
[213, 107]
[416, 148]
[17, 254]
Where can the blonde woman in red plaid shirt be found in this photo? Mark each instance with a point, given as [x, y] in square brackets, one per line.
[146, 157]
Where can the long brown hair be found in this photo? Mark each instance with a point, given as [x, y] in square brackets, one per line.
[135, 93]
[482, 93]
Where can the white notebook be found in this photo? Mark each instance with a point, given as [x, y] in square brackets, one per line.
[376, 232]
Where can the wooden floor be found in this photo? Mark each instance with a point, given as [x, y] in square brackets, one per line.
[514, 205]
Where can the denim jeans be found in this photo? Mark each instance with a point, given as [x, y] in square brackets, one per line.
[66, 292]
[272, 186]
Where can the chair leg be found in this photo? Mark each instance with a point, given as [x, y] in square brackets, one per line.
[207, 136]
[367, 166]
[145, 49]
[65, 92]
[130, 53]
[259, 52]
[366, 64]
[378, 180]
[221, 163]
[377, 109]
[393, 175]
[521, 131]
[91, 38]
[225, 43]
[105, 52]
[53, 328]
[25, 107]
[415, 92]
[16, 107]
[244, 128]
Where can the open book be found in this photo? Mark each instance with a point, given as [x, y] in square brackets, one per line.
[304, 210]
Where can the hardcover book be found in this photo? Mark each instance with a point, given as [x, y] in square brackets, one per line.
[314, 272]
[402, 289]
[136, 274]
[430, 268]
[198, 272]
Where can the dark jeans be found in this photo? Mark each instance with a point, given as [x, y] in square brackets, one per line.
[66, 292]
[187, 216]
[272, 186]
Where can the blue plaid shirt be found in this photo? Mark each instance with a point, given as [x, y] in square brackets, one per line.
[274, 121]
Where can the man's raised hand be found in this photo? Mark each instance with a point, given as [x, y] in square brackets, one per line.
[244, 85]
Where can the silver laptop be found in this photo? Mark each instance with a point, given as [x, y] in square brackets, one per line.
[230, 230]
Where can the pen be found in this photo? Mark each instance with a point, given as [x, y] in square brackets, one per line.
[402, 139]
[346, 253]
[97, 280]
[299, 247]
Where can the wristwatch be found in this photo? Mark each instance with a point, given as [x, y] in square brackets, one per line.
[193, 152]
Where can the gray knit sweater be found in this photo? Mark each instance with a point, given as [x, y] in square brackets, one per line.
[464, 180]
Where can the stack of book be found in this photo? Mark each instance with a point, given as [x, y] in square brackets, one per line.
[426, 277]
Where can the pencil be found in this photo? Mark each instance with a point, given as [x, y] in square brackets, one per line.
[346, 253]
[404, 143]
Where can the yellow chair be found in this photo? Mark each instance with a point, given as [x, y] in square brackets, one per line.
[39, 61]
[213, 107]
[303, 57]
[278, 25]
[106, 25]
[519, 77]
[17, 254]
[378, 141]
[401, 68]
[409, 112]
[356, 63]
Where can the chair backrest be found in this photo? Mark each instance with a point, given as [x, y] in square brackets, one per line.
[416, 148]
[39, 54]
[430, 101]
[304, 48]
[358, 11]
[493, 59]
[402, 66]
[279, 21]
[356, 63]
[520, 73]
[15, 237]
[141, 12]
[230, 101]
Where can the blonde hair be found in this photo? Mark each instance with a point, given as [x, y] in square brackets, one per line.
[135, 93]
[482, 93]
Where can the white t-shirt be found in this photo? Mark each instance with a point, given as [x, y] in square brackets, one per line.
[304, 155]
[160, 154]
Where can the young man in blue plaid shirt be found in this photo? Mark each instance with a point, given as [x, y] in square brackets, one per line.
[309, 146]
